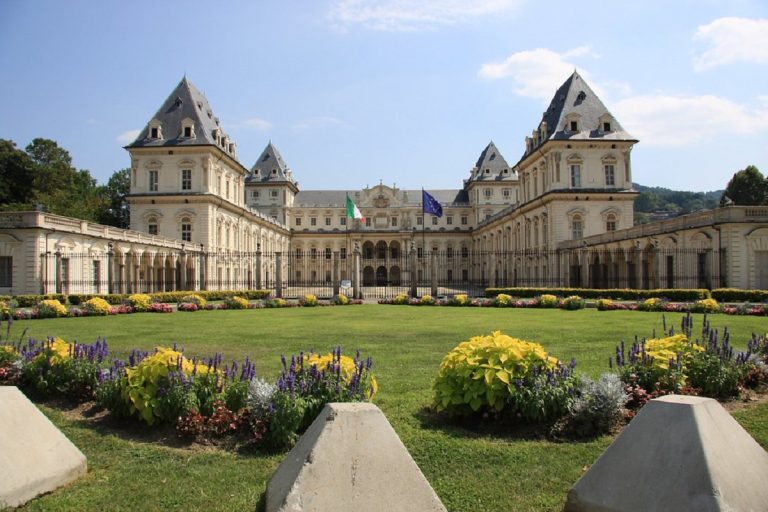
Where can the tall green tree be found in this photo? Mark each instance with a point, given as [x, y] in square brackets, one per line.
[17, 172]
[748, 187]
[116, 190]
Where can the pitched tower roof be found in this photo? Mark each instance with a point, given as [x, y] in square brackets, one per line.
[576, 102]
[491, 166]
[270, 168]
[186, 106]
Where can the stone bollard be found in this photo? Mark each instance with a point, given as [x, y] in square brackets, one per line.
[680, 453]
[350, 458]
[35, 457]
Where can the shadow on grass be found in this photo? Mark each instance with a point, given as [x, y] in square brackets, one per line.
[499, 427]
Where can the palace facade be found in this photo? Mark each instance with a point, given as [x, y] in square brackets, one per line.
[562, 215]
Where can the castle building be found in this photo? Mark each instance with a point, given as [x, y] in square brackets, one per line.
[562, 215]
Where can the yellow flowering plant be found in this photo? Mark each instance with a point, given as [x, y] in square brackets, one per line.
[502, 300]
[460, 299]
[427, 300]
[706, 306]
[548, 301]
[50, 308]
[236, 303]
[97, 306]
[309, 300]
[401, 299]
[495, 372]
[139, 302]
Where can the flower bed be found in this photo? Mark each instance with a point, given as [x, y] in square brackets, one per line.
[203, 398]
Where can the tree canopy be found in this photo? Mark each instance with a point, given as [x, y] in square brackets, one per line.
[42, 175]
[748, 187]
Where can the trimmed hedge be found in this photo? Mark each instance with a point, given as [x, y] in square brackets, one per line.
[736, 295]
[682, 295]
[76, 299]
[28, 301]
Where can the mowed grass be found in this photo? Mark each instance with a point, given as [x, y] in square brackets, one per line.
[469, 469]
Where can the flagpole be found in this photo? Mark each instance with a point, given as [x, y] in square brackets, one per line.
[423, 234]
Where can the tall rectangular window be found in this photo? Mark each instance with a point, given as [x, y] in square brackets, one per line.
[434, 221]
[394, 222]
[449, 220]
[186, 233]
[313, 221]
[343, 221]
[97, 276]
[298, 221]
[153, 181]
[610, 176]
[6, 271]
[419, 221]
[152, 229]
[327, 221]
[464, 220]
[575, 175]
[186, 180]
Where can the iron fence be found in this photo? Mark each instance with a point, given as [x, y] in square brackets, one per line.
[379, 275]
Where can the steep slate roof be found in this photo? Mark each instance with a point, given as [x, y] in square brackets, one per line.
[186, 101]
[576, 97]
[270, 160]
[338, 198]
[491, 160]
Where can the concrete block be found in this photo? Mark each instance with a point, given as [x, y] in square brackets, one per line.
[680, 453]
[350, 458]
[35, 457]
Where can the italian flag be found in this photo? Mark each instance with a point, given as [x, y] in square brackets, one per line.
[353, 212]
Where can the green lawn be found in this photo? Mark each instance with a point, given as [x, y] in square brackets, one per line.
[469, 471]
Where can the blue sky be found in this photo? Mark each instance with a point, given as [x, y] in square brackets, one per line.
[409, 92]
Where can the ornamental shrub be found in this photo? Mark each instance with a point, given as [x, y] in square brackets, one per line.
[97, 307]
[604, 304]
[503, 300]
[548, 301]
[706, 306]
[572, 303]
[309, 301]
[275, 303]
[494, 373]
[427, 300]
[341, 300]
[598, 406]
[5, 310]
[308, 383]
[140, 302]
[400, 300]
[236, 303]
[50, 308]
[652, 304]
[55, 367]
[195, 299]
[459, 299]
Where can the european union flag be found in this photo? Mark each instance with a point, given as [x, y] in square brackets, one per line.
[430, 205]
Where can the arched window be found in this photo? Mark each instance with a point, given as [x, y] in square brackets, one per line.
[610, 222]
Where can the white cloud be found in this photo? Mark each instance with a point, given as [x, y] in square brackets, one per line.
[538, 73]
[128, 136]
[257, 123]
[666, 120]
[312, 123]
[732, 40]
[408, 15]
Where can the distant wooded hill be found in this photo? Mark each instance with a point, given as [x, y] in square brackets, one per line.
[656, 203]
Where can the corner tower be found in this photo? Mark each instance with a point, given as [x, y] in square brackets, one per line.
[270, 187]
[575, 173]
[186, 180]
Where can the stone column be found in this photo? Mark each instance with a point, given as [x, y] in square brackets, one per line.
[258, 279]
[278, 274]
[110, 269]
[433, 272]
[203, 257]
[182, 269]
[335, 273]
[414, 271]
[357, 291]
[58, 271]
[43, 273]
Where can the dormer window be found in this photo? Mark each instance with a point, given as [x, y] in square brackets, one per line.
[274, 172]
[574, 126]
[606, 126]
[155, 133]
[187, 131]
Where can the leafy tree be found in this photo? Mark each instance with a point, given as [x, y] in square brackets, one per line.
[16, 177]
[748, 187]
[116, 190]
